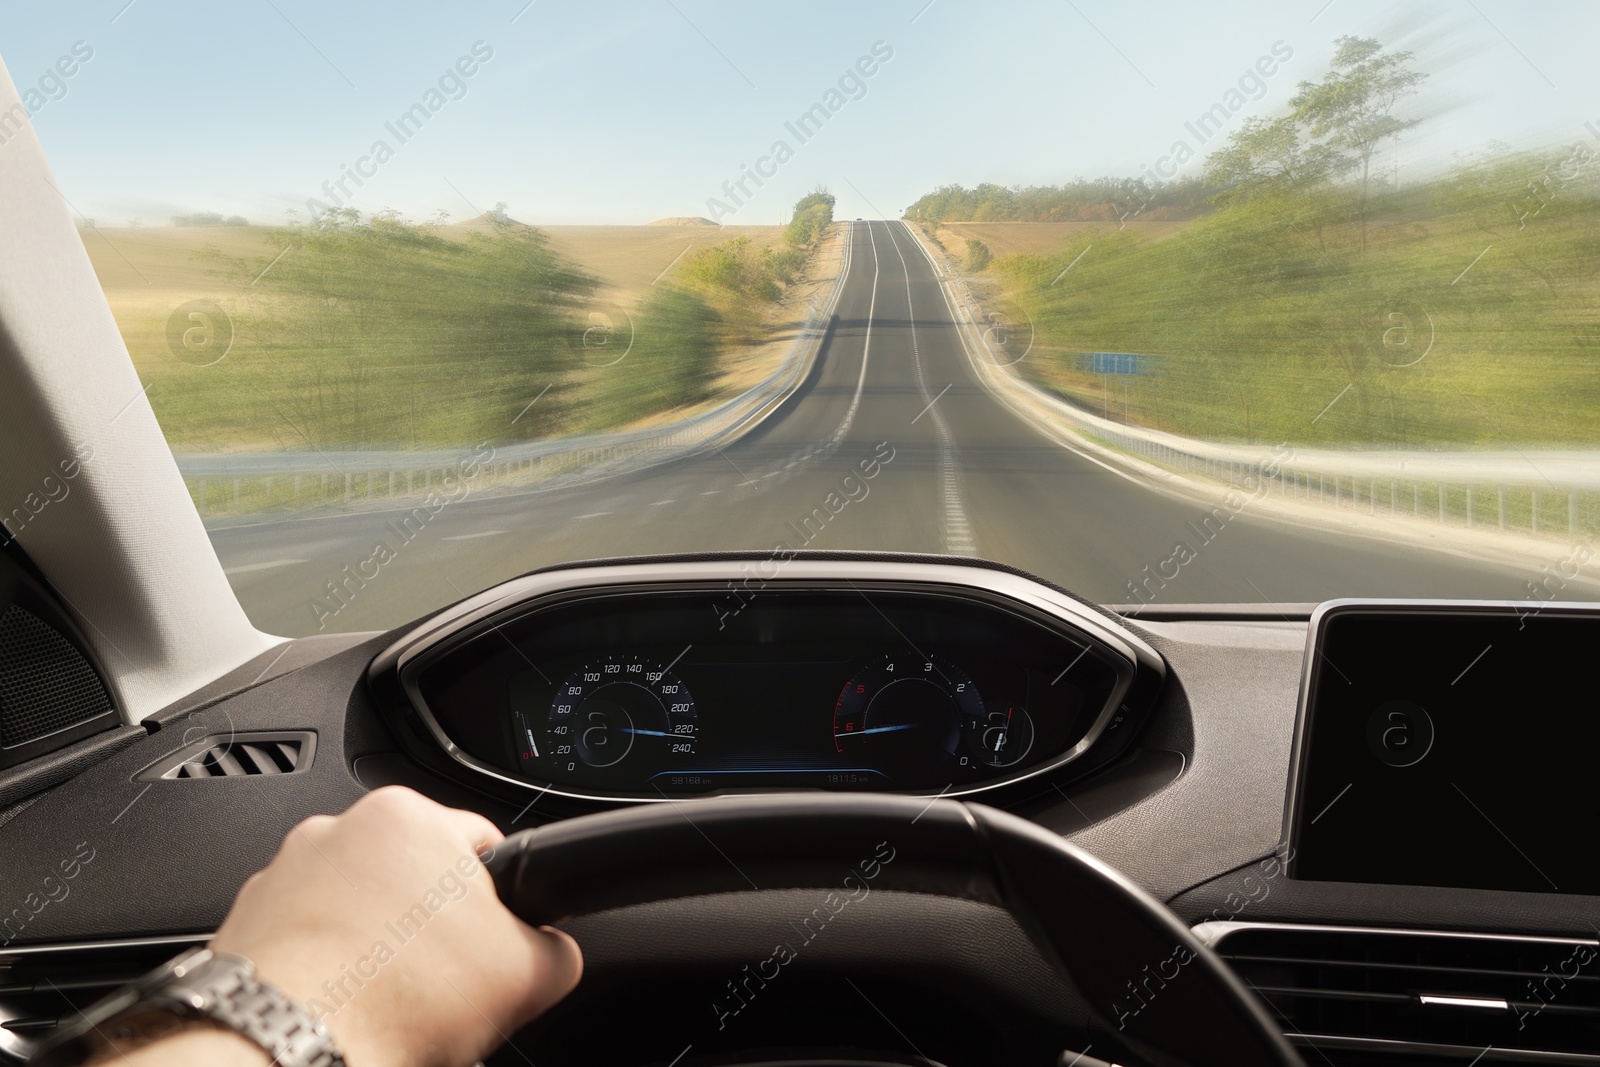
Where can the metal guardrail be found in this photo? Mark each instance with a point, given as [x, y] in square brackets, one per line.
[1547, 492]
[242, 482]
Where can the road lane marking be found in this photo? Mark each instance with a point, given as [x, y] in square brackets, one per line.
[866, 348]
[473, 536]
[1049, 430]
[591, 515]
[251, 568]
[658, 503]
[958, 538]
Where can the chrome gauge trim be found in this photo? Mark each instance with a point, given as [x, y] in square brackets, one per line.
[1310, 670]
[1212, 933]
[535, 592]
[177, 942]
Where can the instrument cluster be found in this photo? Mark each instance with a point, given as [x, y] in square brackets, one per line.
[649, 694]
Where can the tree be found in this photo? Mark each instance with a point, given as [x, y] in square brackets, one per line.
[817, 196]
[1351, 109]
[812, 214]
[1266, 156]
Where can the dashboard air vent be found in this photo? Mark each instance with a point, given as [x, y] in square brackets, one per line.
[236, 756]
[40, 987]
[1365, 996]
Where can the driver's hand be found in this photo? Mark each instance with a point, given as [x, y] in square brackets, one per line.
[384, 921]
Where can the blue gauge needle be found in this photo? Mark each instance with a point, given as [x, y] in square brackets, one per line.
[877, 730]
[647, 733]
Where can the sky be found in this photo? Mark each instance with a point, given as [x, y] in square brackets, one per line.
[635, 110]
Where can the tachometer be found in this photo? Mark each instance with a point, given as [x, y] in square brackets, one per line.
[905, 712]
[611, 708]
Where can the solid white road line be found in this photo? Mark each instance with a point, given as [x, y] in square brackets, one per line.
[1055, 433]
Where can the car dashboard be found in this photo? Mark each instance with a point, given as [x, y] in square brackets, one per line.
[1225, 759]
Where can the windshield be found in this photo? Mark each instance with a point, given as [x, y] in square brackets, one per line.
[1250, 304]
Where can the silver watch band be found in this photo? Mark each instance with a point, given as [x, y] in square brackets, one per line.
[223, 988]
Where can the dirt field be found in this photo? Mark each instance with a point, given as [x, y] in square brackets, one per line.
[629, 258]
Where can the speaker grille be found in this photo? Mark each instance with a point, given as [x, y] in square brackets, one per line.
[45, 683]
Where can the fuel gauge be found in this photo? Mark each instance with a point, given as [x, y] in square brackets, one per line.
[1002, 736]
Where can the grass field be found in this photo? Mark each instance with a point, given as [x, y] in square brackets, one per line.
[363, 367]
[1039, 238]
[1447, 325]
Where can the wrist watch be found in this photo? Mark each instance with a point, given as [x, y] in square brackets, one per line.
[200, 984]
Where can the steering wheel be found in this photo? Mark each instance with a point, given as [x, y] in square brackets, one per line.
[1142, 972]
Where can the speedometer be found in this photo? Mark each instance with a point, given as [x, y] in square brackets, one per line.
[620, 706]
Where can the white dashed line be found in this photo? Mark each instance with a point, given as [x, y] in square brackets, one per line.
[591, 515]
[958, 537]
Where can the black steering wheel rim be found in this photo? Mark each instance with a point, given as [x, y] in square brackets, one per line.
[1142, 972]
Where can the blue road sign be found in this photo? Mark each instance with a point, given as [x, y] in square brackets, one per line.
[1123, 363]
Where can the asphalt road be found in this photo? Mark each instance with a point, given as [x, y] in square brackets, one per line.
[956, 472]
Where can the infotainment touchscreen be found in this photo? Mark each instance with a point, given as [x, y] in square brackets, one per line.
[1449, 745]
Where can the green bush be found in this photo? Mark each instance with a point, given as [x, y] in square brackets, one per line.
[978, 256]
[786, 264]
[382, 333]
[734, 267]
[673, 361]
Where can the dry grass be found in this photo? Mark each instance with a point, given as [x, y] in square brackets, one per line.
[147, 273]
[629, 259]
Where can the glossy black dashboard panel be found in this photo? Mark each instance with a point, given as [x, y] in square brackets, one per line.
[651, 690]
[1448, 745]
